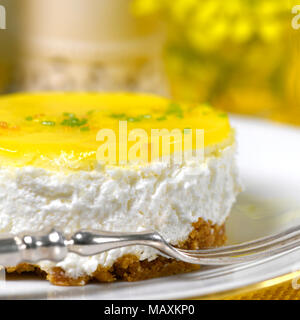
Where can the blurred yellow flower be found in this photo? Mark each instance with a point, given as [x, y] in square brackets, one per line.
[181, 10]
[242, 30]
[234, 54]
[218, 20]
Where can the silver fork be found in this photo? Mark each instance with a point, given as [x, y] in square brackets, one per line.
[54, 246]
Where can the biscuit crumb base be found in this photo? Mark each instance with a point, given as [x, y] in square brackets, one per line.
[130, 268]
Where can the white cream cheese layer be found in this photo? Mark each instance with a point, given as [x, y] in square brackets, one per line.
[158, 197]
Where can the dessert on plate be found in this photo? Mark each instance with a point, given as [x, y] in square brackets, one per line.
[62, 166]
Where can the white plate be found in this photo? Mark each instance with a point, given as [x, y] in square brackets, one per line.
[269, 161]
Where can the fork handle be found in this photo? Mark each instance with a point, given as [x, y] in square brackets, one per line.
[54, 246]
[31, 248]
[87, 243]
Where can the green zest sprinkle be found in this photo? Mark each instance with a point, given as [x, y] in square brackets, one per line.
[175, 109]
[89, 113]
[73, 121]
[120, 116]
[161, 118]
[223, 115]
[85, 129]
[134, 119]
[139, 118]
[29, 118]
[48, 123]
[69, 115]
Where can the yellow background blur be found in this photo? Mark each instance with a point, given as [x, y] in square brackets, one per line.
[239, 55]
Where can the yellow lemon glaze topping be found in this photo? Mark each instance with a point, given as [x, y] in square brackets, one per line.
[58, 130]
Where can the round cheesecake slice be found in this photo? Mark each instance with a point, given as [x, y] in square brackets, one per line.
[86, 161]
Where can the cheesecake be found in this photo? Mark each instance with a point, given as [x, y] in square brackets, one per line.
[75, 161]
